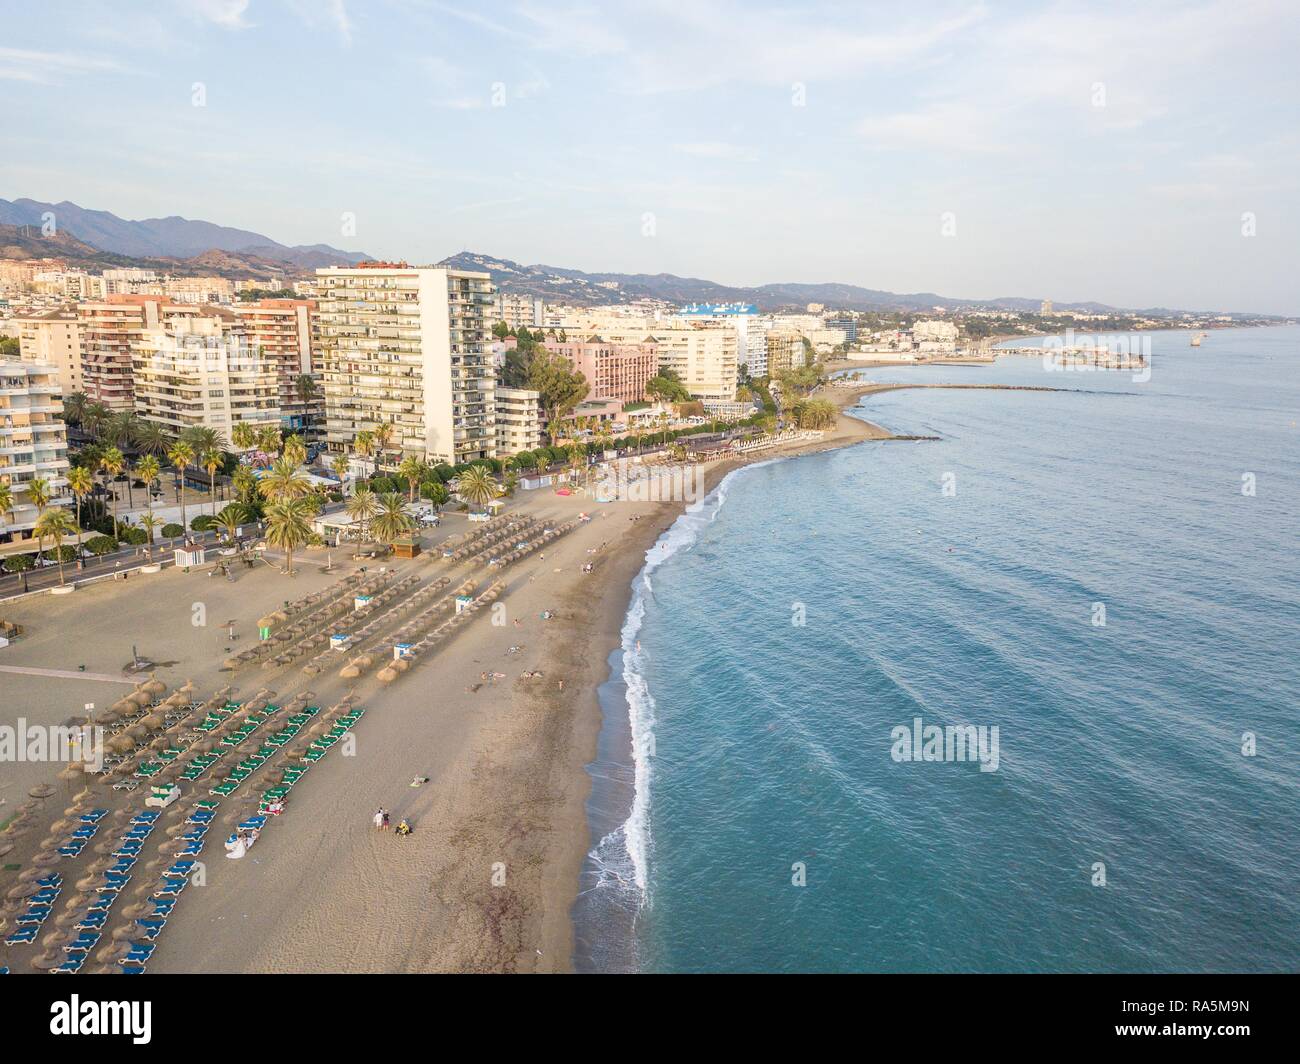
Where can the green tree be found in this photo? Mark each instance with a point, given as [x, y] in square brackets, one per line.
[211, 461]
[54, 524]
[288, 527]
[476, 486]
[392, 521]
[284, 481]
[180, 456]
[361, 507]
[561, 386]
[412, 470]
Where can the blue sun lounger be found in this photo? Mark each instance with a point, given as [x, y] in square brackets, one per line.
[141, 951]
[149, 928]
[54, 879]
[86, 940]
[92, 921]
[44, 897]
[22, 936]
[253, 823]
[85, 833]
[131, 969]
[147, 816]
[93, 816]
[171, 886]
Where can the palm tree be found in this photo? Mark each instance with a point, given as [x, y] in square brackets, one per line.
[365, 446]
[269, 440]
[93, 417]
[38, 491]
[361, 507]
[392, 521]
[294, 450]
[81, 483]
[211, 461]
[112, 463]
[476, 485]
[245, 484]
[148, 522]
[287, 527]
[305, 387]
[383, 433]
[74, 407]
[54, 524]
[243, 436]
[180, 456]
[203, 438]
[284, 481]
[340, 466]
[152, 437]
[412, 470]
[6, 501]
[232, 515]
[120, 428]
[147, 469]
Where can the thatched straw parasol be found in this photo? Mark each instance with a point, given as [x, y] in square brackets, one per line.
[22, 890]
[41, 790]
[121, 744]
[51, 958]
[153, 687]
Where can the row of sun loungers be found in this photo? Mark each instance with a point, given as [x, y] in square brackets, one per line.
[39, 906]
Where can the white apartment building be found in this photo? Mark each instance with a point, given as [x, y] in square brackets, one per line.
[705, 358]
[107, 331]
[519, 420]
[283, 329]
[54, 338]
[33, 442]
[201, 371]
[516, 310]
[407, 347]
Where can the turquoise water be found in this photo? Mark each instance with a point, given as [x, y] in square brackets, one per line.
[763, 744]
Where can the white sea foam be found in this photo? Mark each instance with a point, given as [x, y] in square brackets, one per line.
[623, 856]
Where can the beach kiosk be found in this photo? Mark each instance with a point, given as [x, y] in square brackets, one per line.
[406, 547]
[340, 641]
[401, 650]
[189, 556]
[361, 602]
[463, 602]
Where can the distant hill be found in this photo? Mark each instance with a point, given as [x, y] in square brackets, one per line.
[169, 238]
[557, 284]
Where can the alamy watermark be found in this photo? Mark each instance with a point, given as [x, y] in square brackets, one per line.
[625, 481]
[951, 743]
[1092, 352]
[45, 744]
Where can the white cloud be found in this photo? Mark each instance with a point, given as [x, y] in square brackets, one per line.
[226, 13]
[20, 64]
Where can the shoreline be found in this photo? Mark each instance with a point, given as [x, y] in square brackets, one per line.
[607, 641]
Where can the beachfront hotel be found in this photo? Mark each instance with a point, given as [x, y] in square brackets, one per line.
[33, 442]
[200, 370]
[407, 347]
[613, 371]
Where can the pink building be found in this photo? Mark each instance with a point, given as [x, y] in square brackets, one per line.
[613, 371]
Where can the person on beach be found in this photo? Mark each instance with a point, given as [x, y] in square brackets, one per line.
[403, 828]
[385, 819]
[379, 819]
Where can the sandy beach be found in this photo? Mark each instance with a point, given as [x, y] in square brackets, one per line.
[487, 880]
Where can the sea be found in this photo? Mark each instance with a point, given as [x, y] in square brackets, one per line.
[1091, 597]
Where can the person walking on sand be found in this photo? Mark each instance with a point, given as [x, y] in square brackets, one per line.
[379, 819]
[385, 825]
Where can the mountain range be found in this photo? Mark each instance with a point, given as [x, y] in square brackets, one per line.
[173, 238]
[100, 239]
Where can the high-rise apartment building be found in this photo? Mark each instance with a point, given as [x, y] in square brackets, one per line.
[282, 329]
[107, 330]
[785, 351]
[201, 371]
[704, 358]
[517, 310]
[54, 338]
[519, 420]
[407, 347]
[33, 442]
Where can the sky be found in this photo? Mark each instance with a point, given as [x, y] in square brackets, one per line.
[1138, 154]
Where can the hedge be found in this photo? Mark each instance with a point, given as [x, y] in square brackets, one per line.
[19, 563]
[99, 545]
[172, 530]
